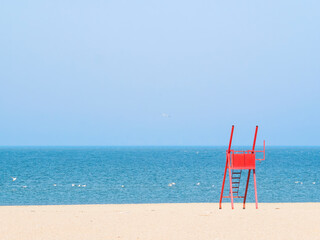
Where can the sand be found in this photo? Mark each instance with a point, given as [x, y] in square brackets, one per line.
[161, 221]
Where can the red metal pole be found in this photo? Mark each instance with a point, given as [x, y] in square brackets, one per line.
[224, 179]
[255, 187]
[230, 138]
[231, 190]
[245, 194]
[254, 140]
[225, 172]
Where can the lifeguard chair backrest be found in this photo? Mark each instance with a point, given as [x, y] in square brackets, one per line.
[243, 159]
[254, 140]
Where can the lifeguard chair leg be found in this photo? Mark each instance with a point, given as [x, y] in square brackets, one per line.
[231, 190]
[224, 180]
[255, 187]
[245, 193]
[225, 172]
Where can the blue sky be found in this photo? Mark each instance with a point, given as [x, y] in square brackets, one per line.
[159, 72]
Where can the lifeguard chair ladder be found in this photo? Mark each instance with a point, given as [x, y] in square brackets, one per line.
[236, 162]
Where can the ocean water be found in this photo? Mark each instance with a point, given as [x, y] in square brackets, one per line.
[102, 175]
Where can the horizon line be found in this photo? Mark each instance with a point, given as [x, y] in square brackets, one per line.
[155, 146]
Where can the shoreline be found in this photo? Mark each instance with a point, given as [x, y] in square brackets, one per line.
[167, 203]
[161, 221]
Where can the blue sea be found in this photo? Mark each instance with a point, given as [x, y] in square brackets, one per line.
[104, 175]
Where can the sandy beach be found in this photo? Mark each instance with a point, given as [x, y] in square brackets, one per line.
[161, 221]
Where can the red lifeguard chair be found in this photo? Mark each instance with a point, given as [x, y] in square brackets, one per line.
[236, 162]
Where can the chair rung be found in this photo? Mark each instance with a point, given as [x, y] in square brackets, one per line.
[235, 177]
[235, 182]
[233, 197]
